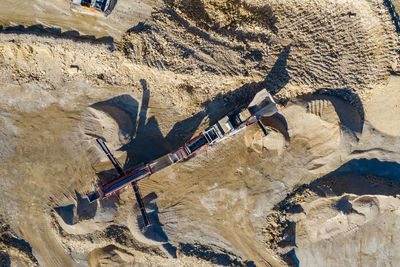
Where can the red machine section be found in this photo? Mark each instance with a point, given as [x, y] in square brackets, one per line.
[134, 176]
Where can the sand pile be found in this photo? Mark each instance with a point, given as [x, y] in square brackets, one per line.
[343, 213]
[326, 174]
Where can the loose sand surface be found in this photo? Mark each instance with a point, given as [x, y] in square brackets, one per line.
[321, 189]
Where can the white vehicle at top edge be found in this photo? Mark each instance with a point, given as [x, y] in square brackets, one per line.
[93, 7]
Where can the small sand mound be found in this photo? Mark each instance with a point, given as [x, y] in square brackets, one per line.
[312, 135]
[383, 109]
[110, 256]
[109, 122]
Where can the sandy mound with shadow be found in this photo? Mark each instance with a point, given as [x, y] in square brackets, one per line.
[350, 211]
[360, 226]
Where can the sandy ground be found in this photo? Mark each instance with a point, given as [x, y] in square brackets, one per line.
[327, 175]
[56, 16]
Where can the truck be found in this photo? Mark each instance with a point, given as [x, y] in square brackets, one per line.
[93, 7]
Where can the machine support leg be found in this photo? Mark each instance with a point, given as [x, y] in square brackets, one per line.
[146, 219]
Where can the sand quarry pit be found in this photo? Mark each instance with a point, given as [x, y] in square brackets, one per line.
[322, 189]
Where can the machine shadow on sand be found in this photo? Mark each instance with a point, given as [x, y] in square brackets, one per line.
[146, 141]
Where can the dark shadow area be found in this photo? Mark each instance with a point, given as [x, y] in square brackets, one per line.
[53, 32]
[361, 177]
[288, 236]
[291, 259]
[4, 259]
[357, 176]
[393, 13]
[154, 231]
[8, 240]
[386, 169]
[67, 213]
[347, 105]
[347, 115]
[278, 76]
[278, 122]
[213, 255]
[170, 249]
[72, 214]
[138, 28]
[84, 209]
[344, 205]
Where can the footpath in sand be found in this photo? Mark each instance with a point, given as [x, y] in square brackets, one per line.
[321, 184]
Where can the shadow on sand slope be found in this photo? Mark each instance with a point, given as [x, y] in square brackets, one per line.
[56, 33]
[358, 177]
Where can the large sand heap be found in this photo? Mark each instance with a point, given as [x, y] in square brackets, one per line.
[327, 173]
